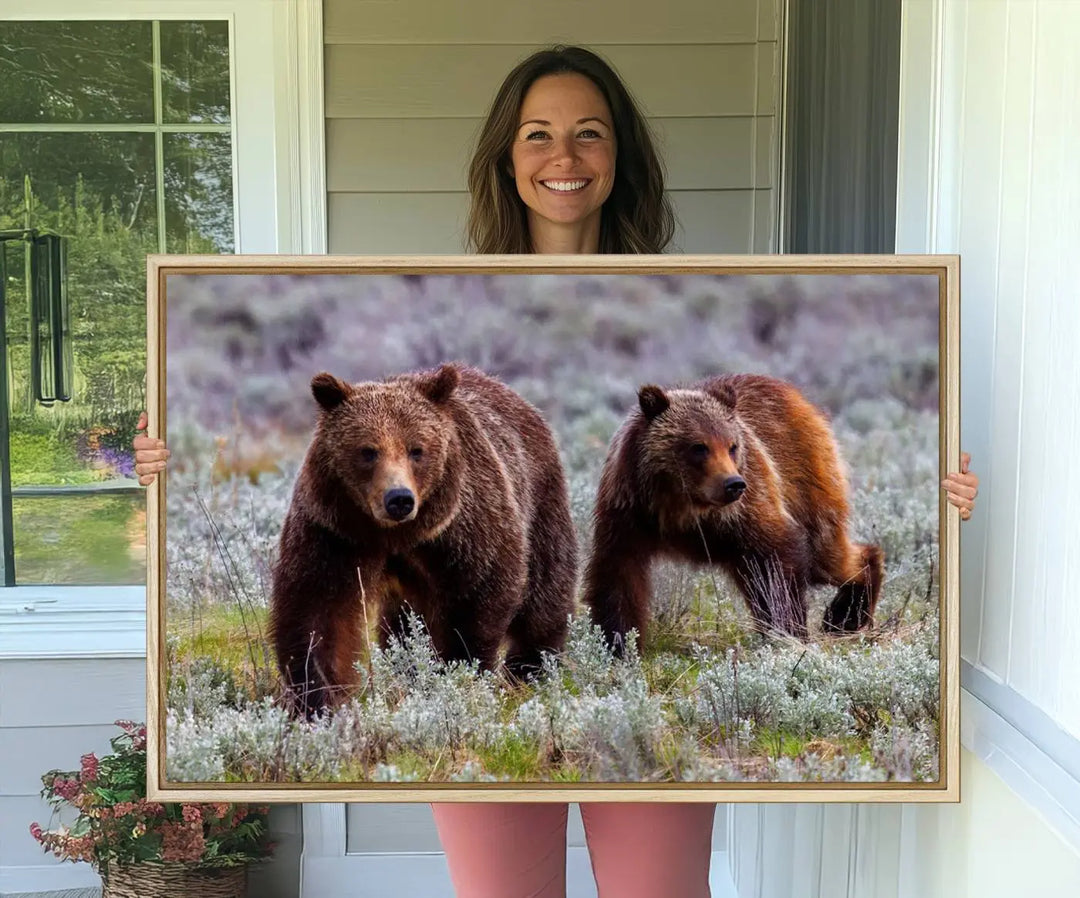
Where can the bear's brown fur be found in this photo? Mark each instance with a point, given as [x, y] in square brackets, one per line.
[739, 471]
[439, 491]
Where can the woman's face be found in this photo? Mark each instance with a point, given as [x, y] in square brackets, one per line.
[563, 154]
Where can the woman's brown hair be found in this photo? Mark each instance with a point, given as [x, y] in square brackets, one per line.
[637, 216]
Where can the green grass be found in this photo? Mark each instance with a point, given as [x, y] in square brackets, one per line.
[520, 759]
[41, 459]
[80, 539]
[234, 640]
[219, 641]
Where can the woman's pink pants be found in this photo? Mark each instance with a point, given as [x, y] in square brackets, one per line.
[640, 850]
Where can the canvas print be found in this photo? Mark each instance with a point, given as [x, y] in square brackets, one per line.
[539, 529]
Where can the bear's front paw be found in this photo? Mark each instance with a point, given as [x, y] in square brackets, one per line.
[309, 701]
[307, 694]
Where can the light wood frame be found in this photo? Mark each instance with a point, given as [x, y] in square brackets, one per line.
[945, 267]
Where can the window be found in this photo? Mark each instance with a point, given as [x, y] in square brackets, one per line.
[119, 136]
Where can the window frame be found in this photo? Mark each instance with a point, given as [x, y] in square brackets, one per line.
[279, 206]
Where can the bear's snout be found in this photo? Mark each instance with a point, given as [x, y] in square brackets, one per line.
[399, 503]
[733, 488]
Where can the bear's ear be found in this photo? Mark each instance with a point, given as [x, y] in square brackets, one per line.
[328, 391]
[440, 384]
[653, 401]
[725, 392]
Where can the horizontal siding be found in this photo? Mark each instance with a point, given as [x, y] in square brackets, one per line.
[766, 221]
[407, 85]
[713, 221]
[396, 155]
[17, 846]
[51, 713]
[71, 692]
[709, 221]
[768, 18]
[29, 752]
[509, 22]
[767, 72]
[374, 223]
[441, 81]
[399, 154]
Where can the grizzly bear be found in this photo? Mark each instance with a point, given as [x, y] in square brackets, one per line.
[738, 471]
[438, 491]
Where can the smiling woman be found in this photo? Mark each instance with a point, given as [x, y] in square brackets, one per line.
[563, 161]
[565, 164]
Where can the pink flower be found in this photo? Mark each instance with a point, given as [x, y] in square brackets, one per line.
[181, 842]
[66, 788]
[138, 739]
[35, 831]
[89, 767]
[123, 808]
[191, 814]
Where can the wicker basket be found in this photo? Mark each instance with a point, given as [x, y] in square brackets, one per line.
[174, 880]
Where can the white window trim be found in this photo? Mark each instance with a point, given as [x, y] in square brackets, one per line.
[280, 207]
[1020, 744]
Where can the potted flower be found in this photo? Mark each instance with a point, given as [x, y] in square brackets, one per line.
[141, 847]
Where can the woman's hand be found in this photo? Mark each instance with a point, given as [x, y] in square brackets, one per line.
[961, 489]
[150, 454]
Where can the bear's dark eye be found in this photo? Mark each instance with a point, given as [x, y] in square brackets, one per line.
[368, 455]
[416, 453]
[699, 450]
[734, 450]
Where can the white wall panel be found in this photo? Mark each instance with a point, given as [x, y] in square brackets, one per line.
[1045, 609]
[1014, 241]
[977, 224]
[1002, 188]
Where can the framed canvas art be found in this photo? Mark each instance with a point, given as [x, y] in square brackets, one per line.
[554, 528]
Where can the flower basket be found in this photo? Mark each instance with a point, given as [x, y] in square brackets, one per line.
[147, 849]
[173, 880]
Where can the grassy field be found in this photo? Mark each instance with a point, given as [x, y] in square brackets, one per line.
[707, 700]
[81, 539]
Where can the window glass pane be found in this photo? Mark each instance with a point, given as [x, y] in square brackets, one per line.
[81, 539]
[195, 71]
[99, 191]
[198, 193]
[76, 72]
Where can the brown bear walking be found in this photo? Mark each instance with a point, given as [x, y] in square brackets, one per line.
[439, 491]
[739, 471]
